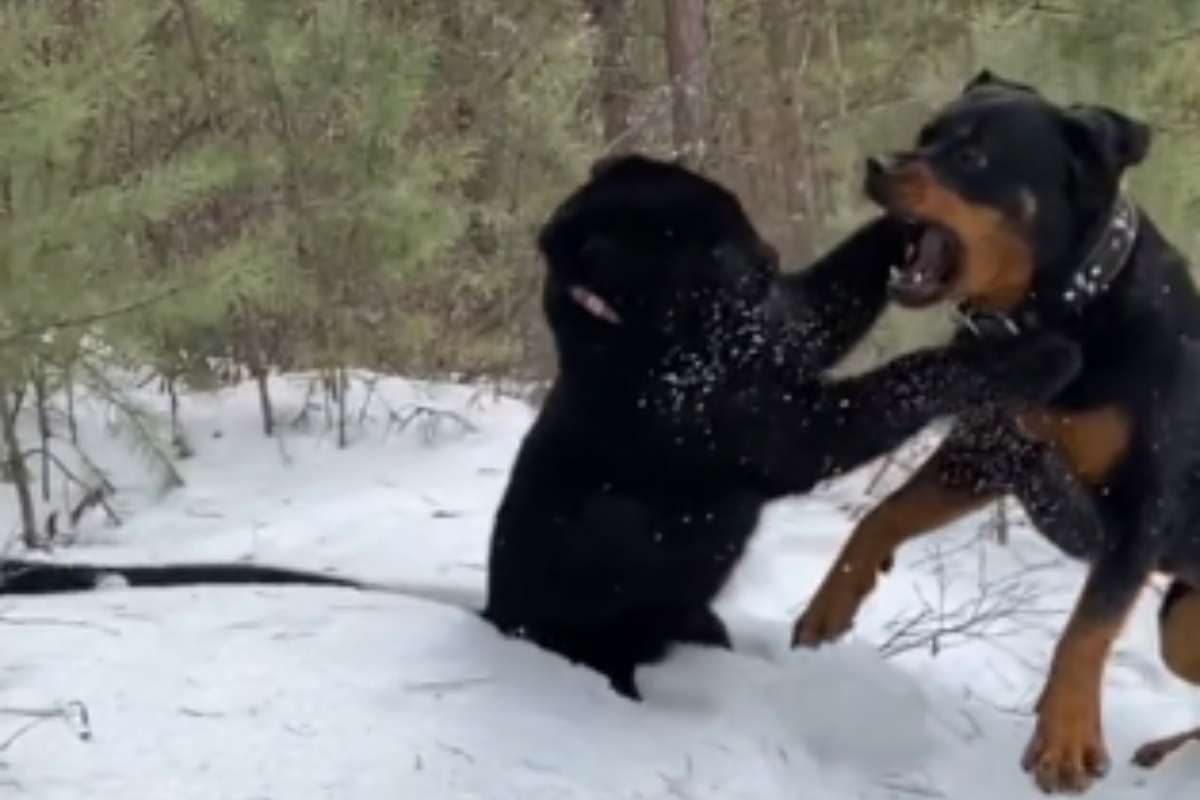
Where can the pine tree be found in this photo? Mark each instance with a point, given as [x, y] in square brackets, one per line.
[72, 209]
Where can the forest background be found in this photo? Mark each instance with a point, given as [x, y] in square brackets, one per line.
[205, 191]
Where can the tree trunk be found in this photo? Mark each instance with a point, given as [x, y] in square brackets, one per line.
[178, 439]
[780, 21]
[615, 77]
[43, 420]
[343, 384]
[687, 69]
[258, 364]
[16, 468]
[173, 399]
[262, 377]
[72, 421]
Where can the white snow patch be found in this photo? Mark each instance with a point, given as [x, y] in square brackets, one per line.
[296, 693]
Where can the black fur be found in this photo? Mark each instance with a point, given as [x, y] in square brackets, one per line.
[639, 484]
[18, 576]
[1138, 335]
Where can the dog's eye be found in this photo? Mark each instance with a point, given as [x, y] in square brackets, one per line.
[971, 158]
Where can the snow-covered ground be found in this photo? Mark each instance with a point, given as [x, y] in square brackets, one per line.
[296, 693]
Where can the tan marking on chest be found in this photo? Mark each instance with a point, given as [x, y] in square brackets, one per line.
[1092, 442]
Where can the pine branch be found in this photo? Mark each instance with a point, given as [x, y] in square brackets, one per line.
[83, 320]
[140, 425]
[92, 495]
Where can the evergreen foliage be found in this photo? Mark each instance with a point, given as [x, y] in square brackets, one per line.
[204, 190]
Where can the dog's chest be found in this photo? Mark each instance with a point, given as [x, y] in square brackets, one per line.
[1092, 441]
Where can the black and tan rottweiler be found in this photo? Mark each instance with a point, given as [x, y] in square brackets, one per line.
[1017, 214]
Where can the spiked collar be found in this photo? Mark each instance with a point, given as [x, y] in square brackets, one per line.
[1093, 276]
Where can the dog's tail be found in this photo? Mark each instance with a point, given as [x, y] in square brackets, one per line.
[20, 576]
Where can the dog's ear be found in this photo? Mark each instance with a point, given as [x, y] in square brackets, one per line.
[602, 165]
[987, 78]
[1105, 138]
[606, 163]
[982, 78]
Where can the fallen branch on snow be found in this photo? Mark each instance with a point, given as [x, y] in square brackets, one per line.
[74, 713]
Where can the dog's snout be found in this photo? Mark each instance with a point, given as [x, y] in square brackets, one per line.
[882, 172]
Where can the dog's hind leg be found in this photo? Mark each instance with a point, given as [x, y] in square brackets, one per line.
[1179, 631]
[1179, 635]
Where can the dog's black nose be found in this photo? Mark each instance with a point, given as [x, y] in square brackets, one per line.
[879, 171]
[878, 165]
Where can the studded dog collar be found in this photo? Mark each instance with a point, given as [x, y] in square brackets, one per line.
[1107, 258]
[1094, 275]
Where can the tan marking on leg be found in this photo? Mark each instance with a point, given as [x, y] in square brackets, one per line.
[1067, 751]
[920, 506]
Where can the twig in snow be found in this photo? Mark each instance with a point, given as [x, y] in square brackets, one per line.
[458, 751]
[1000, 608]
[432, 418]
[372, 383]
[301, 419]
[74, 713]
[446, 685]
[21, 731]
[96, 496]
[677, 785]
[56, 623]
[912, 789]
[93, 495]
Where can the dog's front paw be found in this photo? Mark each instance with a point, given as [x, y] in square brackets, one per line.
[1067, 752]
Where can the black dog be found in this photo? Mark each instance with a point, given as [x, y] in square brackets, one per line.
[1017, 208]
[690, 394]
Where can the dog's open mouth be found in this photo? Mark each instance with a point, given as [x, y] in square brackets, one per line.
[594, 304]
[930, 265]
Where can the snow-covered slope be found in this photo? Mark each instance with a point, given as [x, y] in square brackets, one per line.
[297, 693]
